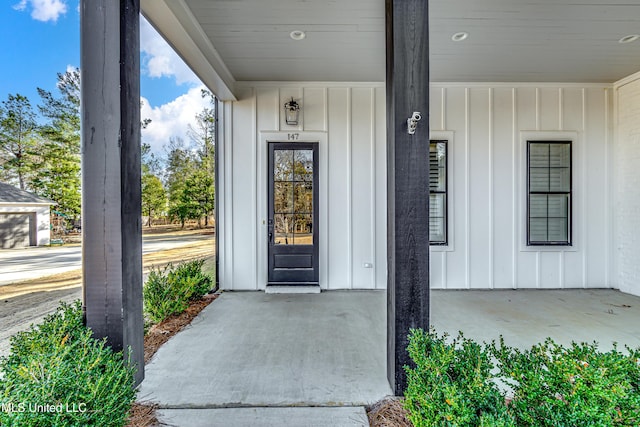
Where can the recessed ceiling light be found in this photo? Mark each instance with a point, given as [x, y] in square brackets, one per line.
[297, 34]
[630, 38]
[458, 37]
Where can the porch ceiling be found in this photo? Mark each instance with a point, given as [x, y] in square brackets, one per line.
[525, 40]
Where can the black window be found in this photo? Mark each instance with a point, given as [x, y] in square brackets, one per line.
[549, 193]
[438, 192]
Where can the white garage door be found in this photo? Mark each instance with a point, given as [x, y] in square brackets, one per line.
[17, 230]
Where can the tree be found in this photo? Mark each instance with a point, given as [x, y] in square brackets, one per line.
[154, 197]
[18, 140]
[181, 163]
[198, 195]
[150, 162]
[203, 133]
[189, 175]
[57, 174]
[203, 136]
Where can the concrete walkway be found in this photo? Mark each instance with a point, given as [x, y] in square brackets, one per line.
[252, 359]
[300, 360]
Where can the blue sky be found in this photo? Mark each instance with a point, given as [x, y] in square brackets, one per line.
[42, 37]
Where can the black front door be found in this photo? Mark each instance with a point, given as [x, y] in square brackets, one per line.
[293, 213]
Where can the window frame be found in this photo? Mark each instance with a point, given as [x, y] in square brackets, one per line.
[445, 242]
[569, 193]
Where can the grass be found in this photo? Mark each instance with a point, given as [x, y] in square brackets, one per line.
[209, 267]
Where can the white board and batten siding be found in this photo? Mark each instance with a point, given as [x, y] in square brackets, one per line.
[627, 185]
[486, 125]
[348, 122]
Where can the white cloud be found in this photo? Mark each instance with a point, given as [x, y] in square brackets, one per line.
[43, 10]
[171, 119]
[159, 59]
[20, 6]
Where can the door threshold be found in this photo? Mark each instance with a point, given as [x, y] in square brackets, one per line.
[292, 289]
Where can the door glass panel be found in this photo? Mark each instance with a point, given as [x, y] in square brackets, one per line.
[303, 166]
[283, 227]
[283, 165]
[293, 197]
[303, 230]
[282, 197]
[303, 197]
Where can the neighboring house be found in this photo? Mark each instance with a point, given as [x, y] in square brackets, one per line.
[24, 218]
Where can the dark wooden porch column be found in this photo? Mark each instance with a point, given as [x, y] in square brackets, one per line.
[408, 180]
[111, 189]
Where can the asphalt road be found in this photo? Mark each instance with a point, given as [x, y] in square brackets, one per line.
[30, 263]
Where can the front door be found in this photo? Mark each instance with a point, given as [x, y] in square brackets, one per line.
[293, 213]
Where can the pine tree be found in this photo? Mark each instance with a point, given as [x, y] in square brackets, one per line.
[189, 178]
[197, 199]
[154, 197]
[203, 136]
[19, 144]
[181, 163]
[203, 133]
[58, 173]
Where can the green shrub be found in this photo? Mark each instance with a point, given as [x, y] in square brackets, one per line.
[451, 383]
[169, 290]
[454, 384]
[200, 283]
[574, 386]
[161, 298]
[56, 374]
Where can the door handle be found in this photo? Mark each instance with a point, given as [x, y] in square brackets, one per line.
[270, 229]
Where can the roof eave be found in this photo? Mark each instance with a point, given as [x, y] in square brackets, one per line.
[176, 24]
[2, 203]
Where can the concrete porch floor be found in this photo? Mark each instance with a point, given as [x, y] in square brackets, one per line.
[316, 360]
[276, 360]
[527, 317]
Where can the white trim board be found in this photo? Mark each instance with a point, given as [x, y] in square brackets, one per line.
[323, 199]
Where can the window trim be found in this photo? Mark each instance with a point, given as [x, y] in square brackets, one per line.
[528, 193]
[445, 242]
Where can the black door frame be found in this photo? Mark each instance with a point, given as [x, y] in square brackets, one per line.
[311, 279]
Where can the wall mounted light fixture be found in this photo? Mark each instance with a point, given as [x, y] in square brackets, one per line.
[291, 111]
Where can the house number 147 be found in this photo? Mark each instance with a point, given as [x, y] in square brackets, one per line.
[293, 136]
